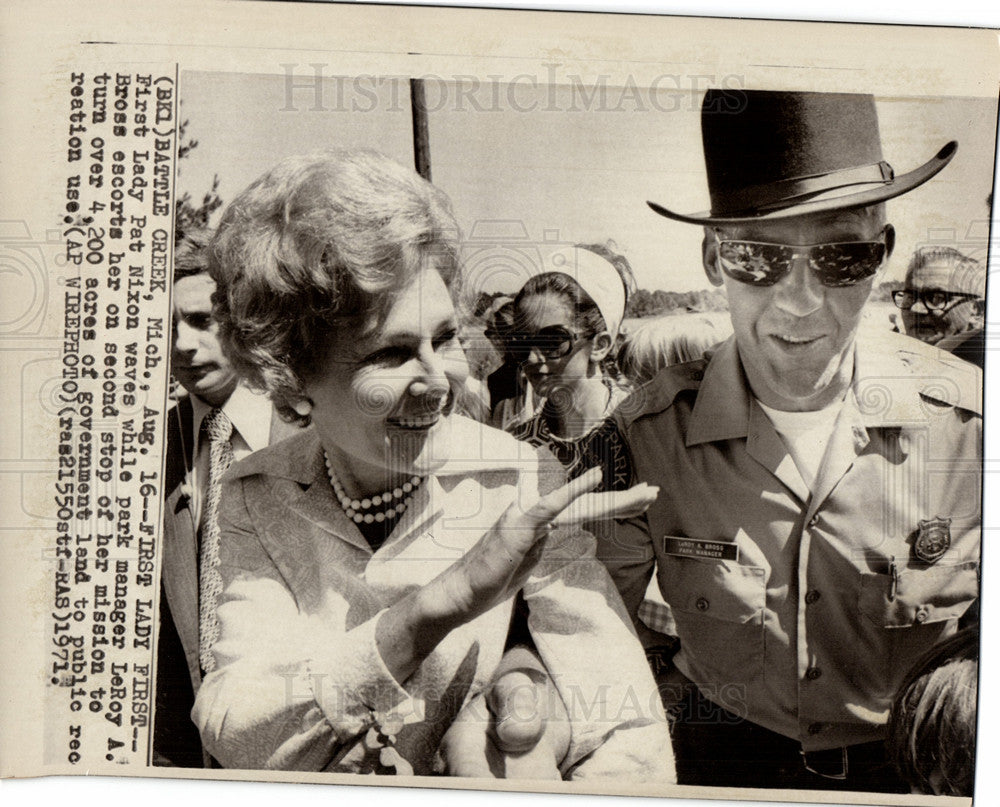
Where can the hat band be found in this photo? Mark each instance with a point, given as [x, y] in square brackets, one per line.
[787, 191]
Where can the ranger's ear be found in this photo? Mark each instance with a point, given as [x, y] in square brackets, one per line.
[710, 257]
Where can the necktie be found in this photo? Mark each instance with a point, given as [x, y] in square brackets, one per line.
[218, 428]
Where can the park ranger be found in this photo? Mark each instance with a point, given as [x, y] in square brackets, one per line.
[818, 525]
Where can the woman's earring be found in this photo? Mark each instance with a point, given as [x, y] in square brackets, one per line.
[303, 407]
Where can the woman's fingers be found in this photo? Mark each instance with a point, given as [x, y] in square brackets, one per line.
[551, 505]
[611, 504]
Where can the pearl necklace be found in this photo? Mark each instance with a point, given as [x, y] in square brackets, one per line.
[354, 508]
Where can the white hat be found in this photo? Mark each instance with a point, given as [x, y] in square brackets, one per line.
[596, 276]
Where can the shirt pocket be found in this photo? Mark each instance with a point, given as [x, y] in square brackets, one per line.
[919, 596]
[900, 622]
[719, 609]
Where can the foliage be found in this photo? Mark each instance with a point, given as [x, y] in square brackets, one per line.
[189, 215]
[646, 303]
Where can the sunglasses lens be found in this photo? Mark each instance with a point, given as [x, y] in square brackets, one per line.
[516, 348]
[847, 264]
[551, 343]
[555, 342]
[754, 264]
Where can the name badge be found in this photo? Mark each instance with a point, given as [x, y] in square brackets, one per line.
[692, 548]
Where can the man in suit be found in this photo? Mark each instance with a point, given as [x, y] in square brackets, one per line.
[210, 389]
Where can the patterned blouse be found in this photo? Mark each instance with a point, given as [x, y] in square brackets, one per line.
[603, 445]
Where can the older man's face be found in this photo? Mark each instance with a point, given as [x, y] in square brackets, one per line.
[796, 338]
[955, 315]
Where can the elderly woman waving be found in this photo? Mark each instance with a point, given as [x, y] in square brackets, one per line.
[371, 564]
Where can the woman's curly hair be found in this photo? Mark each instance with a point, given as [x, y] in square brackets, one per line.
[318, 244]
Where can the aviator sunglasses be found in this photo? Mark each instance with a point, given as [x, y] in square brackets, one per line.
[552, 342]
[842, 263]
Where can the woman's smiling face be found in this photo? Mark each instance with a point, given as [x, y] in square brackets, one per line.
[381, 401]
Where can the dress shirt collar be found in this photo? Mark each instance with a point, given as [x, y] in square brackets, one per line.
[248, 411]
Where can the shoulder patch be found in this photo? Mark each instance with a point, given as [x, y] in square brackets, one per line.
[909, 367]
[661, 391]
[946, 379]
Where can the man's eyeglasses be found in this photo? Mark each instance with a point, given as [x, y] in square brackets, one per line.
[552, 342]
[933, 299]
[758, 263]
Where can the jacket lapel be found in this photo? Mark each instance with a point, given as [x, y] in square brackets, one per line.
[180, 540]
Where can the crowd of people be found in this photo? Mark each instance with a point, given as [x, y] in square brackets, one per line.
[687, 549]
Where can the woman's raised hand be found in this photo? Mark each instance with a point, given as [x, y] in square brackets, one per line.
[497, 566]
[613, 504]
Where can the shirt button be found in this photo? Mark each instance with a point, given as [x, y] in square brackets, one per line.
[812, 596]
[701, 604]
[813, 673]
[922, 614]
[815, 728]
[813, 522]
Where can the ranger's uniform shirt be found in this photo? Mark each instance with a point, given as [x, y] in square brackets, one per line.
[802, 610]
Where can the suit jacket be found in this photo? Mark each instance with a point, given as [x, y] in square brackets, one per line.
[176, 740]
[300, 683]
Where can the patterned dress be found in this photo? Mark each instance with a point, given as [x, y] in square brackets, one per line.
[603, 445]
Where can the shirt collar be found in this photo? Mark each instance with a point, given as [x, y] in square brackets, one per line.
[722, 408]
[888, 390]
[248, 411]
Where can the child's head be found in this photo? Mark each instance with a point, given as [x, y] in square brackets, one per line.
[932, 727]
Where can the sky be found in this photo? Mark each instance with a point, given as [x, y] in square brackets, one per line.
[531, 164]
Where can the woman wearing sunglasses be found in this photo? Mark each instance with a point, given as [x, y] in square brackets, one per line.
[566, 329]
[371, 564]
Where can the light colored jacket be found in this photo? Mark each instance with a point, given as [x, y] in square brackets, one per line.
[300, 681]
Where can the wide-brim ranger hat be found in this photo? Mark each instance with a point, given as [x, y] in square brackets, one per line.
[771, 155]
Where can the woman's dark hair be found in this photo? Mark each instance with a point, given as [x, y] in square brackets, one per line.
[932, 726]
[319, 243]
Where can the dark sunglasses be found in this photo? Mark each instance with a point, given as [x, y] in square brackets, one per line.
[552, 342]
[933, 299]
[837, 264]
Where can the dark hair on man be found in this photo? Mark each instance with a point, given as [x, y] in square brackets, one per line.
[932, 727]
[191, 253]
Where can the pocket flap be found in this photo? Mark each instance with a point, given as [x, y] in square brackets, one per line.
[722, 589]
[922, 596]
